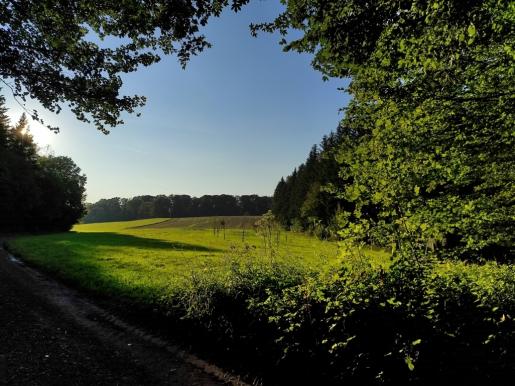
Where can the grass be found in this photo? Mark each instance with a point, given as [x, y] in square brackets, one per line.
[231, 222]
[145, 261]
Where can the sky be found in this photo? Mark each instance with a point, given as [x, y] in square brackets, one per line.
[238, 118]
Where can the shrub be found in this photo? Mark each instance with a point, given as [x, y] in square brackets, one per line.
[411, 323]
[419, 321]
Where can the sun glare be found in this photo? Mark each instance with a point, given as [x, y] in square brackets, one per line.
[42, 135]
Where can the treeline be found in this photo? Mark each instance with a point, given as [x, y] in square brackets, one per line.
[176, 205]
[308, 198]
[37, 192]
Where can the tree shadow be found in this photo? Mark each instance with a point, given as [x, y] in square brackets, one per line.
[109, 239]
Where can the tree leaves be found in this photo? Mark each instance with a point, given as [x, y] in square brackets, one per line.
[433, 91]
[55, 51]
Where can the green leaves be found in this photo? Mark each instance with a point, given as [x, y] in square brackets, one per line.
[412, 322]
[44, 48]
[432, 114]
[471, 30]
[409, 362]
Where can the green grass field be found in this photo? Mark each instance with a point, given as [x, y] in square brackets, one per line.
[144, 260]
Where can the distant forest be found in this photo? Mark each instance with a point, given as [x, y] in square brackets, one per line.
[176, 205]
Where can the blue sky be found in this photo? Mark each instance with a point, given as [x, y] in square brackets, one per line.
[240, 116]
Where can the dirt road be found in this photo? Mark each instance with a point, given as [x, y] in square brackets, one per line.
[50, 335]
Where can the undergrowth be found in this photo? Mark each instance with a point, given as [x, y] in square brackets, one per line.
[417, 322]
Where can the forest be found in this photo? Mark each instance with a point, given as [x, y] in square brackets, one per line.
[307, 199]
[176, 205]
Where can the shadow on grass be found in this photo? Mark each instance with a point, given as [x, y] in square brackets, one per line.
[109, 239]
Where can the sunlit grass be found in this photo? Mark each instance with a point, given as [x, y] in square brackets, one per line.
[148, 263]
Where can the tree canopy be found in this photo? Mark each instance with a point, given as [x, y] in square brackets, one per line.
[176, 205]
[57, 53]
[37, 192]
[433, 87]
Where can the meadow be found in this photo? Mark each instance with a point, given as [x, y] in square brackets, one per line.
[147, 260]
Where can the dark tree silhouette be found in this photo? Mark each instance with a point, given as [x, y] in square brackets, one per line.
[180, 205]
[37, 193]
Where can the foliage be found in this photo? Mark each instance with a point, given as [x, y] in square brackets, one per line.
[62, 191]
[75, 51]
[37, 193]
[307, 199]
[410, 323]
[432, 112]
[268, 228]
[139, 207]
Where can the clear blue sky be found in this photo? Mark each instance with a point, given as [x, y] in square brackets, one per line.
[240, 116]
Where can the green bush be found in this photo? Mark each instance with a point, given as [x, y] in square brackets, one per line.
[218, 311]
[418, 321]
[411, 323]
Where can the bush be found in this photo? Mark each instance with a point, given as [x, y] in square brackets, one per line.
[218, 310]
[411, 323]
[418, 321]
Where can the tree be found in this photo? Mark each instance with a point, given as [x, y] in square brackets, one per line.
[22, 141]
[182, 205]
[433, 85]
[105, 210]
[63, 192]
[37, 193]
[253, 205]
[4, 123]
[47, 50]
[19, 192]
[162, 206]
[318, 188]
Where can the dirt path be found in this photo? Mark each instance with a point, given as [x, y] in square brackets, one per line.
[50, 335]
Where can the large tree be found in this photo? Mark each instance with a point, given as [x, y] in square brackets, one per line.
[63, 189]
[37, 193]
[433, 86]
[73, 52]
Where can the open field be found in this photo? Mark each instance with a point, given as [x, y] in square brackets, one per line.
[230, 222]
[145, 261]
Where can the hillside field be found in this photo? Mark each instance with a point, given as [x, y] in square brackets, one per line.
[231, 222]
[144, 260]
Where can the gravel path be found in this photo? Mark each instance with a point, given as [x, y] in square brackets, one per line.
[50, 335]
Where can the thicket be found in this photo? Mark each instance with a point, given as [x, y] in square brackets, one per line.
[412, 323]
